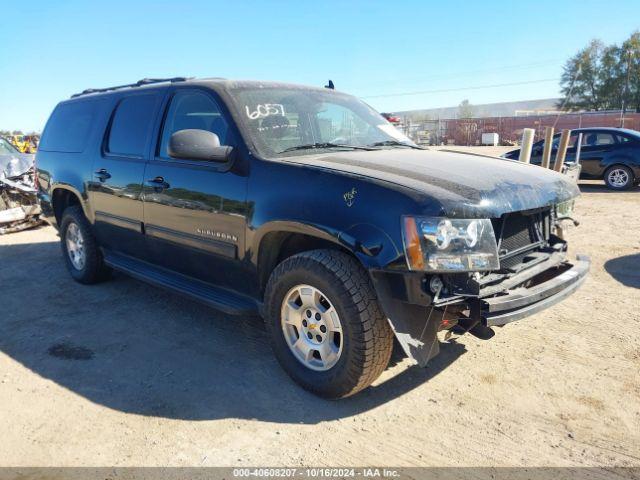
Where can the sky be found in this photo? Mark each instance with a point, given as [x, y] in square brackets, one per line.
[396, 55]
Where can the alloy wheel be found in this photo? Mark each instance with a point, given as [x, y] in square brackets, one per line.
[618, 177]
[75, 246]
[311, 327]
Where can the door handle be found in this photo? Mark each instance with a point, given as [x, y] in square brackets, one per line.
[102, 174]
[158, 183]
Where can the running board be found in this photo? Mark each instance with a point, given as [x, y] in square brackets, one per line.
[216, 297]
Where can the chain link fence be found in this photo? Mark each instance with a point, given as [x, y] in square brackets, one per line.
[469, 131]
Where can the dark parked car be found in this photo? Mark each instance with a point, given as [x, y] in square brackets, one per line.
[609, 154]
[305, 206]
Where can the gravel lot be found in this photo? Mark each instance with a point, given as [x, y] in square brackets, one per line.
[124, 374]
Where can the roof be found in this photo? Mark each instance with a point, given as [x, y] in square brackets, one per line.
[213, 81]
[606, 129]
[587, 129]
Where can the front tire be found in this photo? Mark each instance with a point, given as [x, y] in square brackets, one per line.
[619, 177]
[80, 249]
[326, 327]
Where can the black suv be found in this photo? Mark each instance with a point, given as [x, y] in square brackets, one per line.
[305, 206]
[609, 154]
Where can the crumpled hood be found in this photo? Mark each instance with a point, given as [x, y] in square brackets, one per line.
[14, 165]
[462, 185]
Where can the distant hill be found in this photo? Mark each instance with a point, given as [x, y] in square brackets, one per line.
[503, 109]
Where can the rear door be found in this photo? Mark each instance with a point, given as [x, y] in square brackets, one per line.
[115, 191]
[195, 211]
[596, 146]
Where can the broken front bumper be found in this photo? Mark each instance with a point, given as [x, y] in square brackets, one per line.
[416, 319]
[524, 301]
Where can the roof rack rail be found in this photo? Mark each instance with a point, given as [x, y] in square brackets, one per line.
[139, 83]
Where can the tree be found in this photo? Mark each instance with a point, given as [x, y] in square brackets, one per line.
[600, 77]
[612, 75]
[581, 79]
[631, 56]
[465, 109]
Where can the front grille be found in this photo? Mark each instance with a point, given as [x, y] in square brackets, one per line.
[519, 233]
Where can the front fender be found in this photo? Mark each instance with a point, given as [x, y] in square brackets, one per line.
[372, 246]
[361, 215]
[291, 226]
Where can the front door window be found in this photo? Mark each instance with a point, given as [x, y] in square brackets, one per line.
[193, 109]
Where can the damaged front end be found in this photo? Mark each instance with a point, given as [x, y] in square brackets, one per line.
[19, 208]
[529, 273]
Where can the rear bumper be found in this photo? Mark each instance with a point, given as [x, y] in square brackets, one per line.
[524, 301]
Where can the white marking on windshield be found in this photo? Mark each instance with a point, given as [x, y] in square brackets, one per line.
[265, 110]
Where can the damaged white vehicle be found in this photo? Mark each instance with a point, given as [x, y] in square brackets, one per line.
[19, 208]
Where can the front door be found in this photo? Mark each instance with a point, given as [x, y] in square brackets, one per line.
[115, 190]
[195, 211]
[570, 154]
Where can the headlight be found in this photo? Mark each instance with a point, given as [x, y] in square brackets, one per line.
[565, 209]
[441, 244]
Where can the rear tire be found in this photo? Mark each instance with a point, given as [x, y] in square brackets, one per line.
[81, 252]
[345, 299]
[619, 177]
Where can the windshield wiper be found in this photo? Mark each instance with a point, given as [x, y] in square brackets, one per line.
[395, 143]
[320, 145]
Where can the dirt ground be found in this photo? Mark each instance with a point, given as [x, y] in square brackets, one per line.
[125, 374]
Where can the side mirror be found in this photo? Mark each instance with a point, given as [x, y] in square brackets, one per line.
[193, 144]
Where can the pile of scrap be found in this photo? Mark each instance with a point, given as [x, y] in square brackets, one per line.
[25, 143]
[19, 208]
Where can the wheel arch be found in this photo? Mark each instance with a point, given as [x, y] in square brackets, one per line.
[63, 196]
[276, 241]
[618, 162]
[281, 240]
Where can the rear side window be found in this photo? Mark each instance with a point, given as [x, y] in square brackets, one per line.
[69, 127]
[131, 124]
[597, 139]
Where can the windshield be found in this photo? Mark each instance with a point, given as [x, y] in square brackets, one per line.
[298, 121]
[6, 148]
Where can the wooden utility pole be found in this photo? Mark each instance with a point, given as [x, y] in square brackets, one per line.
[625, 93]
[562, 150]
[548, 143]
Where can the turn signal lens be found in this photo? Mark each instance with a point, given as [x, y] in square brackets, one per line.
[412, 244]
